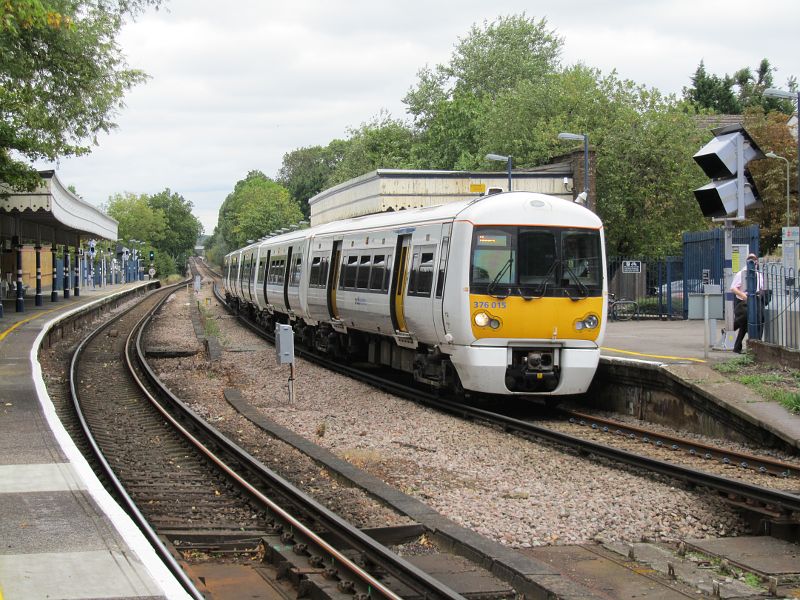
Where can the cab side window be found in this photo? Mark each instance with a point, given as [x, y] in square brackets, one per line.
[420, 280]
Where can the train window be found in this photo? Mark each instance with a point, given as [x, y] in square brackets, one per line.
[276, 271]
[442, 266]
[387, 275]
[492, 257]
[315, 275]
[323, 276]
[349, 272]
[376, 277]
[294, 277]
[420, 280]
[537, 255]
[362, 279]
[582, 262]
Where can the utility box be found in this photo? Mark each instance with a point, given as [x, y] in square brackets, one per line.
[715, 303]
[284, 344]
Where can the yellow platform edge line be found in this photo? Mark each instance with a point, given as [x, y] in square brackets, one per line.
[15, 325]
[699, 360]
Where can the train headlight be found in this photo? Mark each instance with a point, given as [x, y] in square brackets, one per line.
[481, 319]
[588, 322]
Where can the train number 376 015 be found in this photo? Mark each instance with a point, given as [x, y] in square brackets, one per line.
[481, 304]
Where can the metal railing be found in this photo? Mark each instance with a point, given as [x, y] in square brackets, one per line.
[782, 311]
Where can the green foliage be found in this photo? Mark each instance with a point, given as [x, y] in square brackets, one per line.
[775, 384]
[164, 264]
[733, 94]
[137, 219]
[182, 225]
[771, 134]
[383, 143]
[734, 365]
[216, 248]
[488, 61]
[63, 79]
[306, 171]
[256, 206]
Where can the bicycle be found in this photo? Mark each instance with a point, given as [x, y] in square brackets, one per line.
[622, 309]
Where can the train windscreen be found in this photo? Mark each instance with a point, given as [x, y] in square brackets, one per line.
[536, 261]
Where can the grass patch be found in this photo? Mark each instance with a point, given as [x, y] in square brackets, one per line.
[210, 326]
[771, 382]
[734, 365]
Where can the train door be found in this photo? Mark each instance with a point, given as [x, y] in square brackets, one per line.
[438, 282]
[333, 279]
[251, 277]
[266, 276]
[398, 288]
[286, 273]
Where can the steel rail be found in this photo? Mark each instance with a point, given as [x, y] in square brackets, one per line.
[410, 575]
[783, 502]
[763, 464]
[130, 505]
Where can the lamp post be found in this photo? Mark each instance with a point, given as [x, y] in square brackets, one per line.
[507, 159]
[786, 160]
[784, 95]
[585, 138]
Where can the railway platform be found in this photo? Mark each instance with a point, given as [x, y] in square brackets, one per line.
[678, 348]
[63, 535]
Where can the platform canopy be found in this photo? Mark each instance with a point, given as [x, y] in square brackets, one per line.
[51, 214]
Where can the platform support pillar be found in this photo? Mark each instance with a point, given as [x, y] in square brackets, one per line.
[20, 291]
[78, 267]
[38, 300]
[53, 290]
[66, 271]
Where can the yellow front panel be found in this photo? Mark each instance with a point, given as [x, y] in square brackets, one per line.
[541, 318]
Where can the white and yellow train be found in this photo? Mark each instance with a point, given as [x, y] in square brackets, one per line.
[503, 294]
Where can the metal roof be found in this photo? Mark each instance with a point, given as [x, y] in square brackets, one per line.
[52, 214]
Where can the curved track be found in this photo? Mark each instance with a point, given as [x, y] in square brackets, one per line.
[181, 487]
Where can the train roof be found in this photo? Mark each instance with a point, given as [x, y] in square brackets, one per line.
[507, 208]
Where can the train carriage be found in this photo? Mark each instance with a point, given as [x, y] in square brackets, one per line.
[500, 295]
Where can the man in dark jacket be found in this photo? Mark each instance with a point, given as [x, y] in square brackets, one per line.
[738, 287]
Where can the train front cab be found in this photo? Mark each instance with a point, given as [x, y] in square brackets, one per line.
[535, 310]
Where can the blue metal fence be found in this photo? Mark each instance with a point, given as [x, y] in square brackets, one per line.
[651, 283]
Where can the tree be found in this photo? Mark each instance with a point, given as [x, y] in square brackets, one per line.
[62, 79]
[643, 146]
[486, 62]
[256, 207]
[771, 133]
[384, 143]
[734, 94]
[137, 219]
[306, 171]
[712, 92]
[182, 225]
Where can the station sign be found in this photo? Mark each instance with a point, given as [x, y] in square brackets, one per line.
[633, 267]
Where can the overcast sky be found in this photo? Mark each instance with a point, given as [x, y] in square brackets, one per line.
[235, 85]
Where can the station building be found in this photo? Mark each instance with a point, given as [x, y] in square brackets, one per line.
[40, 240]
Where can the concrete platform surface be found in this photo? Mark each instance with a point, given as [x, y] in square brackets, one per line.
[62, 535]
[679, 347]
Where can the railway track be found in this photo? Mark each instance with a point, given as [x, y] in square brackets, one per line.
[768, 498]
[189, 488]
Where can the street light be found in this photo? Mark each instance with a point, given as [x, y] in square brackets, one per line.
[501, 158]
[776, 93]
[786, 160]
[585, 138]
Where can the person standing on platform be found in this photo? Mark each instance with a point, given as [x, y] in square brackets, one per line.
[739, 287]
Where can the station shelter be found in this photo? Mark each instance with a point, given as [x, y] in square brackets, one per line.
[37, 230]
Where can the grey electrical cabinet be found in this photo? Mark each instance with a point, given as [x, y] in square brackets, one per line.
[284, 344]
